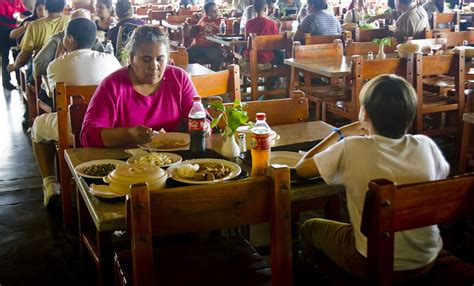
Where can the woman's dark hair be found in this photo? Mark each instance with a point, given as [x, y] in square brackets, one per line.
[207, 7]
[390, 102]
[38, 3]
[391, 4]
[83, 31]
[123, 10]
[147, 34]
[319, 4]
[54, 6]
[107, 3]
[406, 2]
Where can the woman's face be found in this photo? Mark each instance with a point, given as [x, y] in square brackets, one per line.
[149, 62]
[41, 11]
[102, 11]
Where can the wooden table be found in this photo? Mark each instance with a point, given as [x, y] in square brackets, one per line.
[196, 69]
[231, 43]
[108, 217]
[331, 67]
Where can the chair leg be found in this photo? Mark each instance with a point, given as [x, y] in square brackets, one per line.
[318, 109]
[254, 88]
[464, 147]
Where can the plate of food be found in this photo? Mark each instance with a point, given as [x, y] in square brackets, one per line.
[169, 141]
[97, 169]
[160, 159]
[204, 171]
[289, 159]
[103, 192]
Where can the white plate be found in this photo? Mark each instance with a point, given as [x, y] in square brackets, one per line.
[182, 138]
[289, 159]
[234, 171]
[175, 159]
[103, 191]
[80, 168]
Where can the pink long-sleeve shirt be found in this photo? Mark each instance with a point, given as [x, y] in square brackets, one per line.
[116, 104]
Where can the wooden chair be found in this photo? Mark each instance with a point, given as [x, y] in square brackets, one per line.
[453, 39]
[319, 94]
[189, 11]
[390, 208]
[222, 261]
[363, 48]
[321, 39]
[286, 25]
[180, 56]
[448, 65]
[426, 44]
[158, 15]
[445, 19]
[174, 27]
[64, 106]
[368, 35]
[269, 42]
[362, 71]
[218, 83]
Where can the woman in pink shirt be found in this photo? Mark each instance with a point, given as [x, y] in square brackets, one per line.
[147, 95]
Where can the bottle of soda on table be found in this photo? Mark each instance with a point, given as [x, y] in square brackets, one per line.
[260, 144]
[223, 27]
[196, 125]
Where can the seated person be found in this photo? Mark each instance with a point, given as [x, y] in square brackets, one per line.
[104, 16]
[80, 66]
[124, 11]
[240, 7]
[250, 13]
[433, 6]
[261, 25]
[289, 7]
[388, 106]
[38, 13]
[202, 48]
[388, 15]
[358, 14]
[147, 95]
[412, 23]
[318, 21]
[54, 48]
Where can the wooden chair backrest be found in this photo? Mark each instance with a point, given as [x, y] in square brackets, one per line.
[180, 19]
[180, 57]
[368, 35]
[320, 39]
[141, 10]
[158, 14]
[282, 41]
[334, 49]
[222, 82]
[362, 48]
[189, 11]
[389, 208]
[453, 39]
[425, 44]
[445, 18]
[194, 208]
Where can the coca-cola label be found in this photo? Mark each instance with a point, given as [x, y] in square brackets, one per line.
[196, 124]
[261, 142]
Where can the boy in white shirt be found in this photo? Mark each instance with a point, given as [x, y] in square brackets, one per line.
[388, 106]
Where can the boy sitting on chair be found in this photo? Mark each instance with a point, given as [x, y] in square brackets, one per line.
[376, 147]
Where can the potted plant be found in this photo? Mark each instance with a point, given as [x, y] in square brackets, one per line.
[381, 43]
[233, 116]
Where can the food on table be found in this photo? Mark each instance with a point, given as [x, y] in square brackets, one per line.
[99, 170]
[168, 143]
[203, 171]
[157, 159]
[408, 48]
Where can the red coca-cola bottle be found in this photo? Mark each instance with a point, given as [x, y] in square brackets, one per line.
[196, 125]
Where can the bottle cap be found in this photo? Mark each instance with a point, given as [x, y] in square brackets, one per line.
[196, 98]
[261, 116]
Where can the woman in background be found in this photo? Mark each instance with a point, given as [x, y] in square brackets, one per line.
[104, 11]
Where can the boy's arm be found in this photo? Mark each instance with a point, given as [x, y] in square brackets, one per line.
[306, 167]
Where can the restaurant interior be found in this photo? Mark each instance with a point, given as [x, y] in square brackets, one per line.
[237, 142]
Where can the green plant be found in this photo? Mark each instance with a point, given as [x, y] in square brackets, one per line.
[384, 41]
[234, 116]
[366, 26]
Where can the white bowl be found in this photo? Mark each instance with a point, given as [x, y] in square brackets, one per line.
[124, 176]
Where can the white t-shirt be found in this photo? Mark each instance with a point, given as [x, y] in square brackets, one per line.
[81, 67]
[355, 161]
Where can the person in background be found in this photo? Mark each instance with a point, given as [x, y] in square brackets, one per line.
[202, 48]
[79, 66]
[104, 11]
[318, 22]
[433, 6]
[388, 106]
[250, 13]
[9, 10]
[40, 31]
[147, 95]
[359, 13]
[240, 7]
[261, 25]
[389, 15]
[38, 13]
[412, 23]
[289, 7]
[124, 11]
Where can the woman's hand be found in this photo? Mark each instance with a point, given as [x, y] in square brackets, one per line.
[140, 134]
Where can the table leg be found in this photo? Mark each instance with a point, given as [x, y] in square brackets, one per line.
[105, 255]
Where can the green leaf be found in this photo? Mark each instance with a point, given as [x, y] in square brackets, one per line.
[386, 41]
[216, 120]
[376, 41]
[218, 105]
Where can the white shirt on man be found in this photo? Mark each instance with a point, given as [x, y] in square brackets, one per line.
[355, 161]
